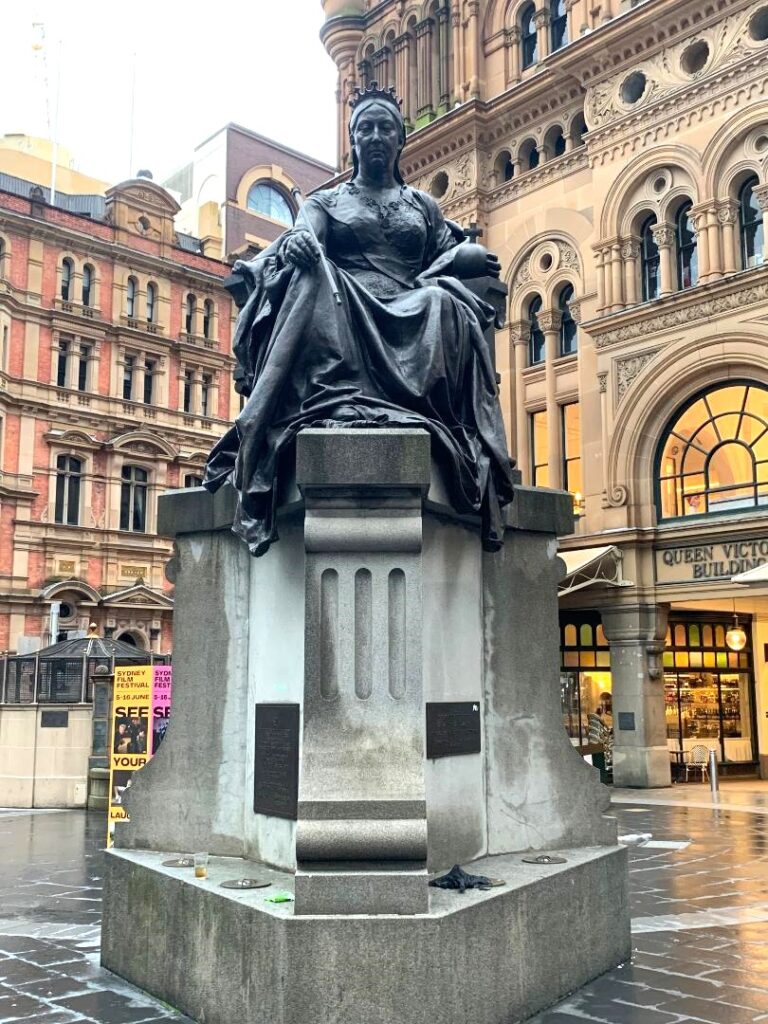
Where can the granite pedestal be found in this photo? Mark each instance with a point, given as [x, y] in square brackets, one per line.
[376, 602]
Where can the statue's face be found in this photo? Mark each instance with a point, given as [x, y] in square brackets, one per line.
[376, 136]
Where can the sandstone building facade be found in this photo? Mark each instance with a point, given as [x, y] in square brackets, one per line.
[615, 156]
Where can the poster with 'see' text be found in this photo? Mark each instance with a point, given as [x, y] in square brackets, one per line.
[141, 705]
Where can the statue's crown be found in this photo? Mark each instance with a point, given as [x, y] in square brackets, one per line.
[373, 92]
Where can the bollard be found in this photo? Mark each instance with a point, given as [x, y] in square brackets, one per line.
[713, 771]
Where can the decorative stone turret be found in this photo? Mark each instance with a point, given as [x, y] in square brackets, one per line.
[341, 35]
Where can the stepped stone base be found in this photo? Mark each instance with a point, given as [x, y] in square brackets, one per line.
[496, 957]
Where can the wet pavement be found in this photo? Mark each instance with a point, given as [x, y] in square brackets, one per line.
[699, 909]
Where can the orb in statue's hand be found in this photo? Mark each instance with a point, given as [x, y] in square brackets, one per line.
[473, 260]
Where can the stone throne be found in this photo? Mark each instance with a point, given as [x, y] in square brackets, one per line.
[373, 700]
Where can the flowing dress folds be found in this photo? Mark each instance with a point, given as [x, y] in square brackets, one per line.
[405, 348]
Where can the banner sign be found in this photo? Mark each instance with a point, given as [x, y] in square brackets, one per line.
[141, 705]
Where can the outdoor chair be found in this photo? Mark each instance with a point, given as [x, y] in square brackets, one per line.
[698, 760]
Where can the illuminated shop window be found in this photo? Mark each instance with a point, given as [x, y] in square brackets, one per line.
[714, 457]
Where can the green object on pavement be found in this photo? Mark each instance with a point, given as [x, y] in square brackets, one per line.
[279, 897]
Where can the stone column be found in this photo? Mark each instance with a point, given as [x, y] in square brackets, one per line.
[512, 46]
[380, 63]
[424, 107]
[636, 636]
[616, 278]
[520, 336]
[714, 254]
[473, 48]
[444, 87]
[727, 218]
[459, 91]
[664, 236]
[630, 254]
[603, 280]
[402, 66]
[550, 323]
[542, 20]
[361, 838]
[139, 373]
[701, 224]
[196, 403]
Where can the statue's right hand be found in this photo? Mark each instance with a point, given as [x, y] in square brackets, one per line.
[301, 250]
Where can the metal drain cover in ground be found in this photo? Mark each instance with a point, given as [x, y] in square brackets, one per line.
[245, 883]
[544, 858]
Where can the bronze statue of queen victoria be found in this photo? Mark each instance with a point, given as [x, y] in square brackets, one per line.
[357, 316]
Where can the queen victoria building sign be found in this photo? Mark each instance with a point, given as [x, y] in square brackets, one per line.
[707, 563]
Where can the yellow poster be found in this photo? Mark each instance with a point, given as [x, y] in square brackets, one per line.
[129, 747]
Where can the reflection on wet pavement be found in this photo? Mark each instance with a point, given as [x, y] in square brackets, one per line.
[700, 919]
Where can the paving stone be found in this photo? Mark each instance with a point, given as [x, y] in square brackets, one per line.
[111, 1007]
[21, 1007]
[711, 1012]
[53, 987]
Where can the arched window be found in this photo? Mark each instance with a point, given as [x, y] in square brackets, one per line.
[536, 343]
[649, 261]
[130, 297]
[69, 472]
[530, 52]
[133, 499]
[207, 319]
[189, 316]
[687, 255]
[578, 130]
[558, 24]
[151, 302]
[503, 166]
[67, 270]
[87, 284]
[270, 202]
[529, 155]
[751, 226]
[568, 326]
[714, 455]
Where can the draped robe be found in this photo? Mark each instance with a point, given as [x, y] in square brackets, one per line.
[405, 348]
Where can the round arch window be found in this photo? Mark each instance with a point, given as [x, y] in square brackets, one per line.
[714, 454]
[270, 202]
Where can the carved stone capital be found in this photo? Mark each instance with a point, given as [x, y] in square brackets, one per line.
[630, 249]
[541, 19]
[402, 43]
[424, 28]
[728, 212]
[512, 35]
[602, 382]
[663, 235]
[550, 321]
[761, 194]
[520, 332]
[569, 5]
[575, 310]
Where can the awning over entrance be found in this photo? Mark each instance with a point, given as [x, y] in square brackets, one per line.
[588, 566]
[752, 577]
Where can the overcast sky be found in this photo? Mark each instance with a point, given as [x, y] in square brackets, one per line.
[198, 66]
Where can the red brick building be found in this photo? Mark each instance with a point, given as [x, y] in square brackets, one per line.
[115, 380]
